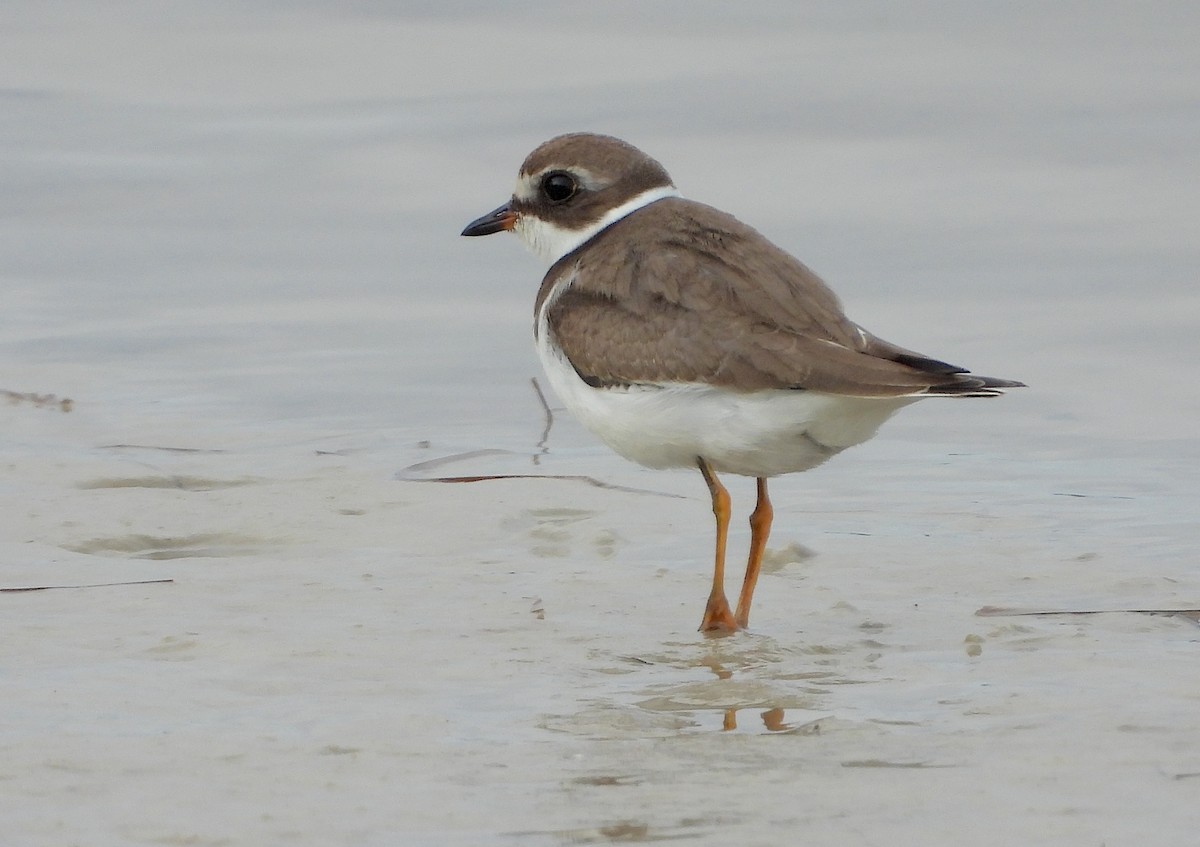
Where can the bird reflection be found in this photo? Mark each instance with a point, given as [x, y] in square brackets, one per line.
[772, 719]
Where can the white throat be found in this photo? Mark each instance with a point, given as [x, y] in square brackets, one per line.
[550, 242]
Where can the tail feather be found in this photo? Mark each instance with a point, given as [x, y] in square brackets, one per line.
[926, 364]
[970, 385]
[948, 380]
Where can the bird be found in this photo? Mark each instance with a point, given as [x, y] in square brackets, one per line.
[683, 338]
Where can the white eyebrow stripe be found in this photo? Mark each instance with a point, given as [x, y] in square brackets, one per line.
[527, 184]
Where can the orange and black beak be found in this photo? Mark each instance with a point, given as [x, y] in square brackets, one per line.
[496, 220]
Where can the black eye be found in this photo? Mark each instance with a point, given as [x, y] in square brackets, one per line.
[559, 187]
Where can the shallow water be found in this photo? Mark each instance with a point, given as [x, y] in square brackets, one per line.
[230, 239]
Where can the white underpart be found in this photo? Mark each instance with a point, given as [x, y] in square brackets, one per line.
[550, 243]
[670, 425]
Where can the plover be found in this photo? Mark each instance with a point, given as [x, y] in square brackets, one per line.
[681, 337]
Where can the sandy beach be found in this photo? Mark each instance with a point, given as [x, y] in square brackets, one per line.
[242, 347]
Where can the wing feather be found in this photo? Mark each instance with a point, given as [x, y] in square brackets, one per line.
[680, 292]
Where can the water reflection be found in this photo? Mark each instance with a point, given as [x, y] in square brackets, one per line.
[773, 720]
[733, 683]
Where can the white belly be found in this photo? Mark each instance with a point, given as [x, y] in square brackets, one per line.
[760, 433]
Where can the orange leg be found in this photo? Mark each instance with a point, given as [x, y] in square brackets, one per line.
[760, 528]
[717, 615]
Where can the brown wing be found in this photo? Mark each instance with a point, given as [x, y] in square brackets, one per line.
[682, 292]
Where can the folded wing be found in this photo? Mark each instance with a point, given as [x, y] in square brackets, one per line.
[689, 294]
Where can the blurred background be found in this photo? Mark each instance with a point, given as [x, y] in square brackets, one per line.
[248, 213]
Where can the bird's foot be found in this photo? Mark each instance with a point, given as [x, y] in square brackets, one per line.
[718, 617]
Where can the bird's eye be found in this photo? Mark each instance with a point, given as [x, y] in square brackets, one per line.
[559, 187]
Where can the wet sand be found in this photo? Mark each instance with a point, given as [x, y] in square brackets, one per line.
[232, 243]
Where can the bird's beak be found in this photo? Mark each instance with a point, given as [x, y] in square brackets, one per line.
[496, 220]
